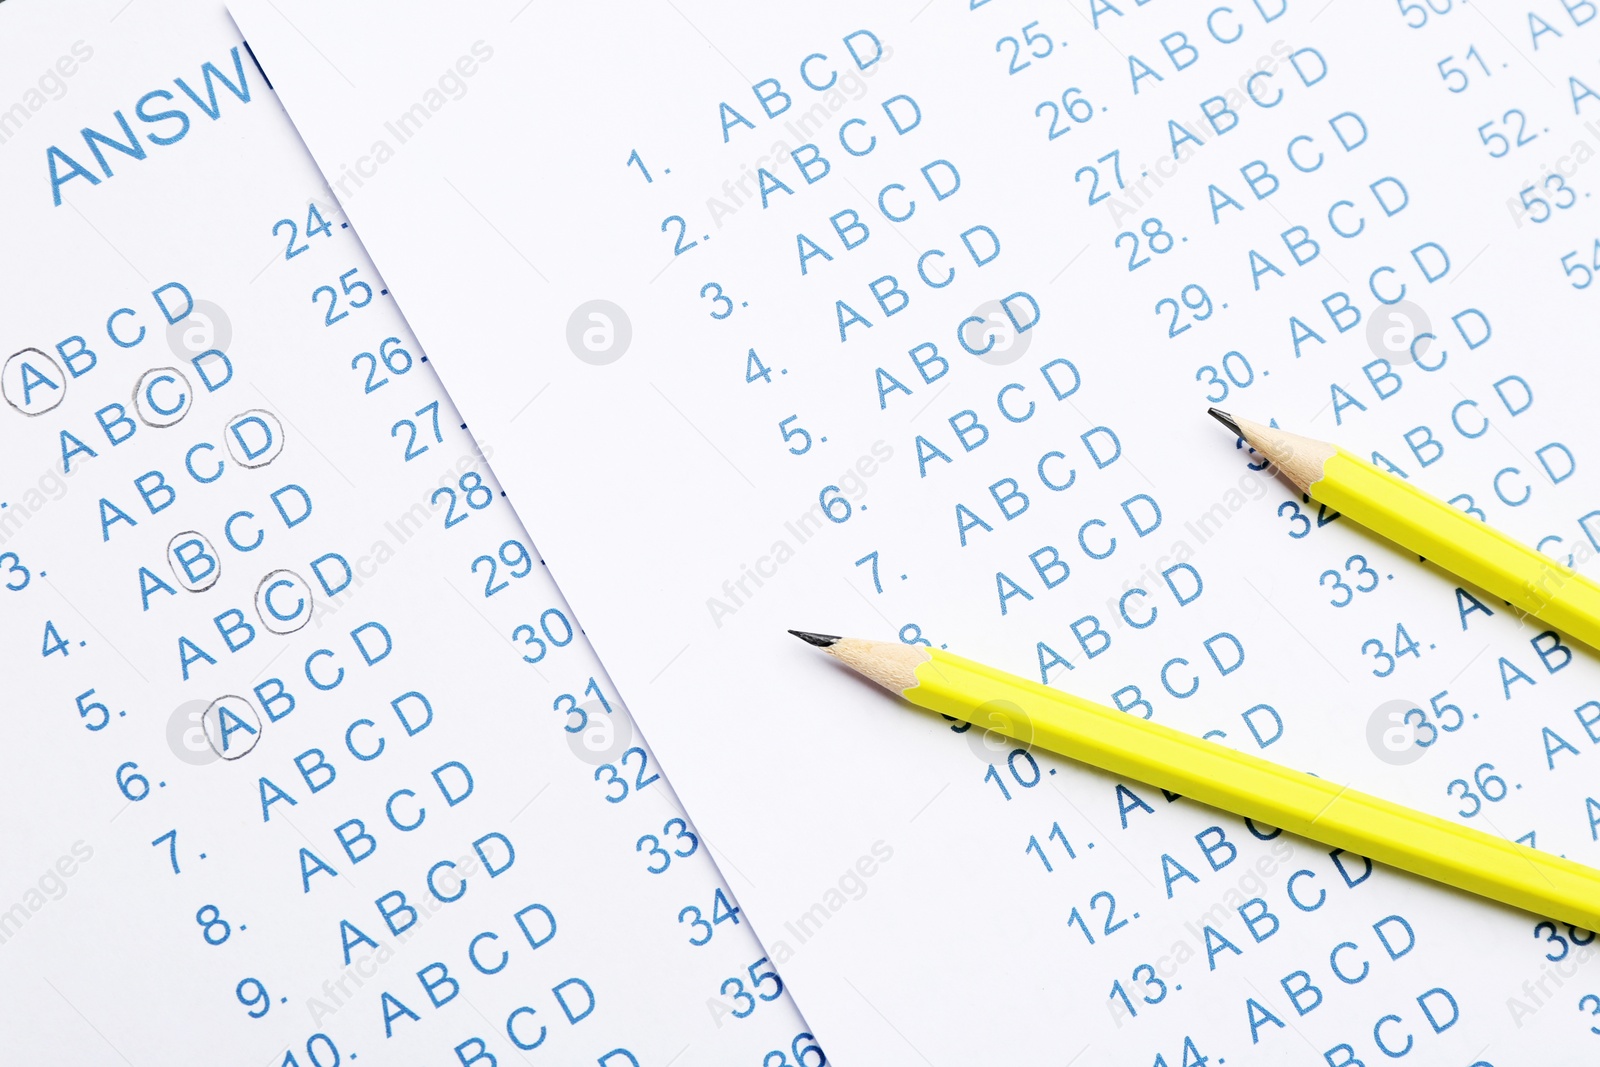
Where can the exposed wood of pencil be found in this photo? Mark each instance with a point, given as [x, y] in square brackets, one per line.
[1299, 458]
[892, 666]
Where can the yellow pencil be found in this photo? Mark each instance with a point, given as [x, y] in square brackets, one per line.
[1258, 789]
[1397, 510]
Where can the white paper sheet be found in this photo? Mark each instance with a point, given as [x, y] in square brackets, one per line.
[710, 350]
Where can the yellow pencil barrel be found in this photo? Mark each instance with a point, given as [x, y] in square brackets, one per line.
[1259, 789]
[1472, 550]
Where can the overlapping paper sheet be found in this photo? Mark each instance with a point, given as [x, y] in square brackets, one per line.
[901, 321]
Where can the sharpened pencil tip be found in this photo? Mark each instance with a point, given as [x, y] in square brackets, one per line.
[1226, 420]
[820, 640]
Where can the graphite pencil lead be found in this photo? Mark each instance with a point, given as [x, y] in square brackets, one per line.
[820, 640]
[1226, 420]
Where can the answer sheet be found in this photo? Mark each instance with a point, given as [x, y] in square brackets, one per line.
[901, 320]
[276, 790]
